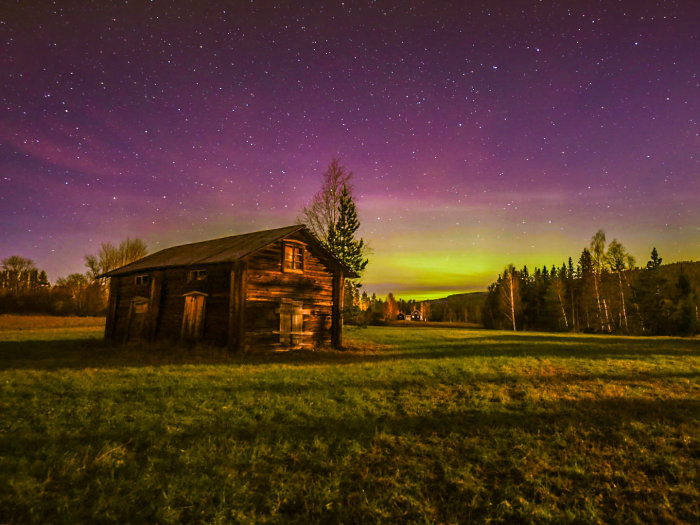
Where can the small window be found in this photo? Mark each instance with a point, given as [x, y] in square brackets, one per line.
[197, 275]
[293, 258]
[142, 279]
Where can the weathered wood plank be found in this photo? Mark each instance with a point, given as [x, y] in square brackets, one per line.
[111, 322]
[337, 316]
[154, 304]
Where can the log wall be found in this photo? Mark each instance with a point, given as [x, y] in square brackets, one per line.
[167, 303]
[243, 301]
[268, 285]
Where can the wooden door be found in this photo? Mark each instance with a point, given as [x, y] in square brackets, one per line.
[193, 317]
[138, 313]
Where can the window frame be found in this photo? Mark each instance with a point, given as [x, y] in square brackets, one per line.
[197, 274]
[142, 279]
[298, 257]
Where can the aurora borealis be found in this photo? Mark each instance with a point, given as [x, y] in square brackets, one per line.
[479, 133]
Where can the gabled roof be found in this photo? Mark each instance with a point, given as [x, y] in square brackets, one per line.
[223, 250]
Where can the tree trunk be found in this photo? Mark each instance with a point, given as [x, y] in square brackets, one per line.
[512, 301]
[622, 298]
[607, 318]
[563, 312]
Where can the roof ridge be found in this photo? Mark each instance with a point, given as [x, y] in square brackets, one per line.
[258, 232]
[294, 228]
[202, 252]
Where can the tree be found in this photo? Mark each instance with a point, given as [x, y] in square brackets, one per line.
[559, 288]
[425, 310]
[510, 294]
[332, 218]
[16, 273]
[655, 260]
[619, 260]
[322, 214]
[648, 297]
[111, 257]
[391, 308]
[586, 292]
[341, 237]
[364, 301]
[598, 259]
[685, 314]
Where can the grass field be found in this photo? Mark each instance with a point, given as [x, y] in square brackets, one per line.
[411, 425]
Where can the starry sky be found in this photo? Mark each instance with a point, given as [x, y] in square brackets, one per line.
[479, 133]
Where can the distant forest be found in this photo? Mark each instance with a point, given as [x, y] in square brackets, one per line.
[25, 289]
[604, 292]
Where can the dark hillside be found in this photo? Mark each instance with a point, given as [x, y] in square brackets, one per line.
[458, 308]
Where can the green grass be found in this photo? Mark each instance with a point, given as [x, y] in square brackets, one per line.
[411, 425]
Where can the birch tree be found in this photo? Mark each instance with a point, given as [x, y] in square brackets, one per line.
[618, 261]
[510, 294]
[322, 214]
[598, 259]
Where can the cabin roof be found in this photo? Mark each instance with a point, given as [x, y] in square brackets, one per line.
[225, 249]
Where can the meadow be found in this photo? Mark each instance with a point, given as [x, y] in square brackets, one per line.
[408, 425]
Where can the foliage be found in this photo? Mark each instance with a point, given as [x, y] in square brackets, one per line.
[332, 218]
[604, 293]
[408, 425]
[341, 235]
[457, 308]
[111, 257]
[26, 289]
[322, 213]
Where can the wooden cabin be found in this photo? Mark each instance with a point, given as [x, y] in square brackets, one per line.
[273, 289]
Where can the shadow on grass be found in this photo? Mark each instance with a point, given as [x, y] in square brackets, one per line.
[494, 448]
[95, 353]
[599, 420]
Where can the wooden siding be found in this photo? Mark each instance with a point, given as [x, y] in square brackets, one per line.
[166, 293]
[268, 286]
[243, 300]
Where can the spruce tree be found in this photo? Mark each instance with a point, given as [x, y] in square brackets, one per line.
[341, 235]
[647, 292]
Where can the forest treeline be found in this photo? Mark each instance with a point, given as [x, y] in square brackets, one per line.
[25, 289]
[603, 292]
[361, 308]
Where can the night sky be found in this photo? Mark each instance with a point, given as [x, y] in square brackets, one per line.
[479, 134]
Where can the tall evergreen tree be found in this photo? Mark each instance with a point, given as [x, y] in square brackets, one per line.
[649, 299]
[586, 292]
[332, 217]
[685, 307]
[341, 236]
[655, 260]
